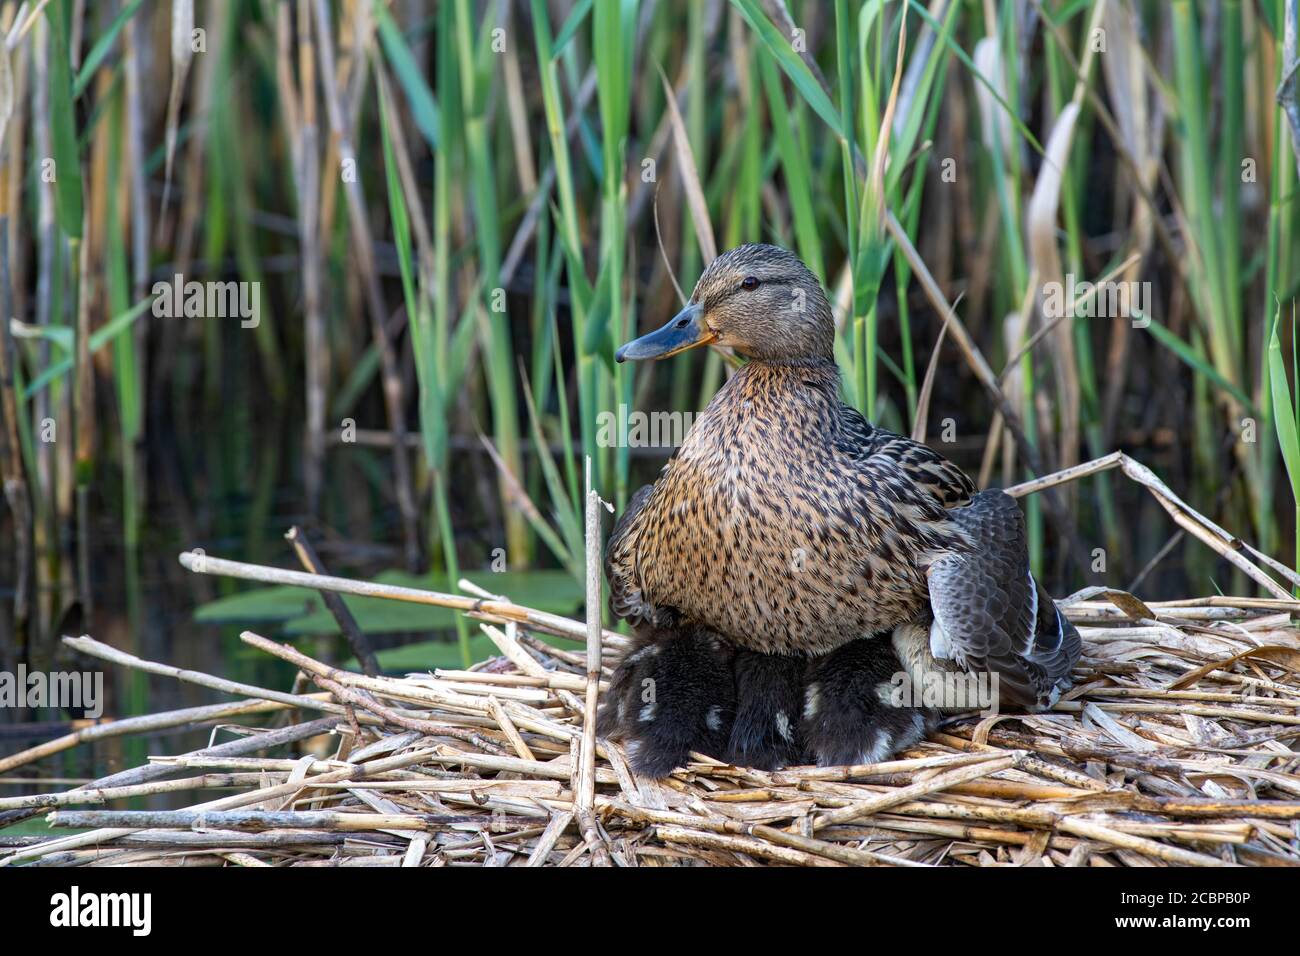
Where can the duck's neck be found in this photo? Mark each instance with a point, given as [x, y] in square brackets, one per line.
[802, 373]
[766, 411]
[787, 390]
[803, 361]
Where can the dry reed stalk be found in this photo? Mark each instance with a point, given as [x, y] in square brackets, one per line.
[364, 250]
[352, 632]
[92, 648]
[207, 781]
[501, 611]
[145, 723]
[585, 782]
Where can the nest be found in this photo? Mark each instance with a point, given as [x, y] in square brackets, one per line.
[1174, 748]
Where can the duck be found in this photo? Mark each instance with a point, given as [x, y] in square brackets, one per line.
[792, 559]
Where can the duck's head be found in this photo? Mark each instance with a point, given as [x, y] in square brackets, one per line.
[758, 299]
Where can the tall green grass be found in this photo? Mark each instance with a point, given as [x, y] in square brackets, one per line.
[517, 240]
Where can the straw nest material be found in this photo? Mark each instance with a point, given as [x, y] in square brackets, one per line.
[1176, 747]
[1173, 749]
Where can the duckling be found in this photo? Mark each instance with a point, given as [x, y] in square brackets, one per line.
[850, 711]
[818, 549]
[672, 693]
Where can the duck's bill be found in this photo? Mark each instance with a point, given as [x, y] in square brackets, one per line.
[686, 331]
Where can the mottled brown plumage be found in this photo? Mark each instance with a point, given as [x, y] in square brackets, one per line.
[787, 524]
[785, 521]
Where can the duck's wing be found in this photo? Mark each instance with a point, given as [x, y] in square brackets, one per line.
[625, 600]
[921, 464]
[989, 612]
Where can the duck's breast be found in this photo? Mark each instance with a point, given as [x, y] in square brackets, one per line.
[765, 530]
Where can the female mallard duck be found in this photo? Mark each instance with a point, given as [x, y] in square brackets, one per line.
[792, 558]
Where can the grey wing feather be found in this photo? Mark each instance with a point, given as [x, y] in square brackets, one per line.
[990, 613]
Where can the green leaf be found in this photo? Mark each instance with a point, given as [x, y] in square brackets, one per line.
[793, 65]
[1284, 420]
[102, 46]
[1189, 356]
[594, 333]
[57, 335]
[261, 605]
[571, 25]
[98, 339]
[430, 655]
[567, 550]
[961, 54]
[424, 107]
[794, 166]
[63, 124]
[902, 144]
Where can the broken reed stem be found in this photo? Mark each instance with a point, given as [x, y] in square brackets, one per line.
[504, 611]
[1226, 545]
[252, 743]
[352, 632]
[324, 675]
[508, 727]
[1170, 854]
[832, 851]
[252, 819]
[885, 801]
[92, 648]
[146, 723]
[287, 789]
[586, 783]
[207, 781]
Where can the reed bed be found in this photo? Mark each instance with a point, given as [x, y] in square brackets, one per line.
[1175, 748]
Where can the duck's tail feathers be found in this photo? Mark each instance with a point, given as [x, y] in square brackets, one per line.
[991, 615]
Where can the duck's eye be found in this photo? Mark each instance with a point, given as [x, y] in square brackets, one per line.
[749, 283]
